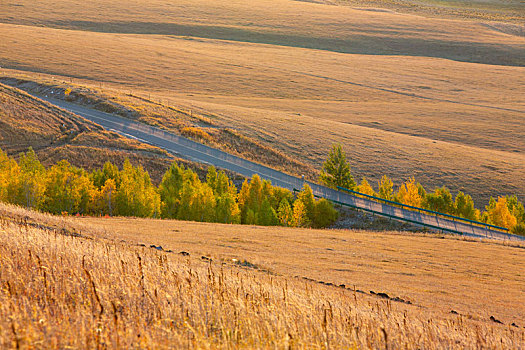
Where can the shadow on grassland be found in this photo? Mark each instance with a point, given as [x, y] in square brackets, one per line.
[379, 43]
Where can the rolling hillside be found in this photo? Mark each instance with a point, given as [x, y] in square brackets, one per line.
[71, 283]
[437, 98]
[55, 134]
[434, 272]
[427, 88]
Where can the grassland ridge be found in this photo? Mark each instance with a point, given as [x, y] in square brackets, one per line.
[358, 44]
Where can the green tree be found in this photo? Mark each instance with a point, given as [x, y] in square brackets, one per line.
[136, 195]
[255, 196]
[465, 207]
[197, 201]
[324, 213]
[243, 199]
[422, 192]
[186, 200]
[251, 198]
[227, 209]
[251, 217]
[267, 215]
[68, 189]
[285, 213]
[31, 180]
[386, 188]
[516, 208]
[336, 170]
[170, 190]
[268, 192]
[279, 194]
[108, 171]
[212, 178]
[440, 201]
[519, 229]
[203, 204]
[224, 185]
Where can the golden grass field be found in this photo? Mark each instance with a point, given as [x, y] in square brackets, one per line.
[502, 11]
[433, 273]
[407, 94]
[84, 283]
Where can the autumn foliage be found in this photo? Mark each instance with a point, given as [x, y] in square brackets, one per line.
[506, 211]
[63, 188]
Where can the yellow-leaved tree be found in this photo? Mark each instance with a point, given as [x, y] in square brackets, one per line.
[136, 195]
[498, 213]
[9, 178]
[285, 213]
[31, 186]
[409, 193]
[68, 189]
[300, 216]
[386, 188]
[226, 210]
[364, 187]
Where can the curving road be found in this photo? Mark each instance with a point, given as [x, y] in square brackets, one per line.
[198, 152]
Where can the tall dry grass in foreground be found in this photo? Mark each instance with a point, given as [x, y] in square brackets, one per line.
[60, 291]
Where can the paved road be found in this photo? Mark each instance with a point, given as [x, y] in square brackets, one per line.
[198, 152]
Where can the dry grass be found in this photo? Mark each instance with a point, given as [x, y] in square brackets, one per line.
[200, 127]
[440, 273]
[508, 11]
[56, 134]
[60, 291]
[395, 89]
[196, 133]
[437, 274]
[333, 28]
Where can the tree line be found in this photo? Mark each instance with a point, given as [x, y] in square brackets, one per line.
[505, 211]
[129, 191]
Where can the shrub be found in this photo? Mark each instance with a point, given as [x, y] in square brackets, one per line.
[324, 214]
[196, 133]
[519, 229]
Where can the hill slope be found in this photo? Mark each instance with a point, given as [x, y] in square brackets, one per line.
[313, 26]
[55, 134]
[64, 288]
[431, 272]
[401, 92]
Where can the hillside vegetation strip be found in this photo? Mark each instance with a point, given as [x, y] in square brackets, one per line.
[129, 191]
[56, 134]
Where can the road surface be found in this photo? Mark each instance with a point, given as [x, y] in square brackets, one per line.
[198, 152]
